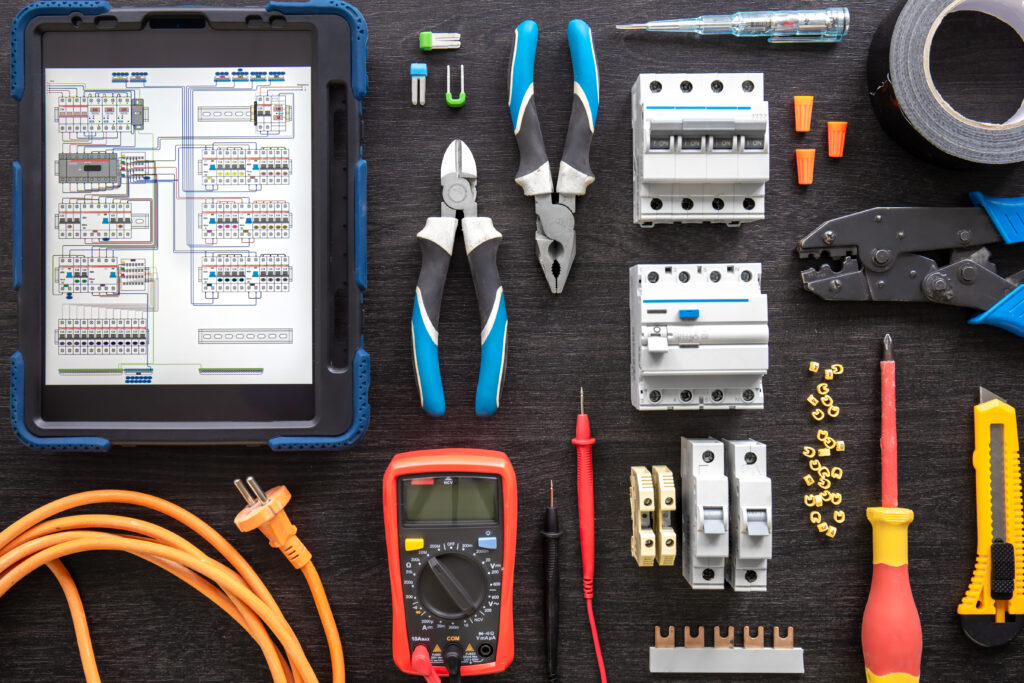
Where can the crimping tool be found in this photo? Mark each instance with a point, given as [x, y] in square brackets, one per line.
[883, 241]
[437, 239]
[556, 214]
[992, 610]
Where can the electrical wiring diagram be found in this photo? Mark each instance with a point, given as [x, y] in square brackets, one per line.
[179, 226]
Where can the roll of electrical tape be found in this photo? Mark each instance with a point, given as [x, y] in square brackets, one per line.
[905, 98]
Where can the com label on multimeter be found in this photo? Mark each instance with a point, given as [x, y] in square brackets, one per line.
[450, 521]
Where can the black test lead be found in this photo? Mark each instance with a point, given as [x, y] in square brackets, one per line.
[551, 533]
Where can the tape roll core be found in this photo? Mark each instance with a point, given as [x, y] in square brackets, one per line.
[910, 107]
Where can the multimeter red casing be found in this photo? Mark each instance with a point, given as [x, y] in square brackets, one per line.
[450, 461]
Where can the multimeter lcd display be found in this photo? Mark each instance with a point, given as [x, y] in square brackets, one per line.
[444, 498]
[179, 242]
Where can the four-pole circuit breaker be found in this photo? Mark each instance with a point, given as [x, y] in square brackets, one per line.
[700, 148]
[698, 336]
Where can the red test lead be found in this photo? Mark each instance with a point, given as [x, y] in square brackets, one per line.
[585, 500]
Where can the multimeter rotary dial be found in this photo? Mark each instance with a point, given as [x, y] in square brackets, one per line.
[452, 585]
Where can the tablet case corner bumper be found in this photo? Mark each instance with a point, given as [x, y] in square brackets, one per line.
[21, 430]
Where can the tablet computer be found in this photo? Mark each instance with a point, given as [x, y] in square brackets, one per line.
[192, 225]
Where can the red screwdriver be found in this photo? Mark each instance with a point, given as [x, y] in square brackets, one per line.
[890, 634]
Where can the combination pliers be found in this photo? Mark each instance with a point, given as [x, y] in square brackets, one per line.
[437, 239]
[879, 260]
[556, 219]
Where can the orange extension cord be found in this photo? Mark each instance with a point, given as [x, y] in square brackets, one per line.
[36, 540]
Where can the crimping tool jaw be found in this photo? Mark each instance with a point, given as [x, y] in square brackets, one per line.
[846, 284]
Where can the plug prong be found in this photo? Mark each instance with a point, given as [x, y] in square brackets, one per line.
[251, 481]
[249, 500]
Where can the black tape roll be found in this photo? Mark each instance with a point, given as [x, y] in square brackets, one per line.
[908, 104]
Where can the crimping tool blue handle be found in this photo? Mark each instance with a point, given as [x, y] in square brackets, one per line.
[1007, 215]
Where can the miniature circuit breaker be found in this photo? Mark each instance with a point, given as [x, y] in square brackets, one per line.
[698, 336]
[664, 505]
[750, 505]
[641, 500]
[704, 496]
[700, 148]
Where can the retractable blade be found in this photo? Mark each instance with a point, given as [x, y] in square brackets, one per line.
[989, 609]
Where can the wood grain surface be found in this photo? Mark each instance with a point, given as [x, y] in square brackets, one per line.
[147, 626]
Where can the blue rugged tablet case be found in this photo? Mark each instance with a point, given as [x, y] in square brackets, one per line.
[360, 360]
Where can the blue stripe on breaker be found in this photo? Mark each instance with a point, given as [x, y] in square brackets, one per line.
[695, 301]
[492, 363]
[426, 364]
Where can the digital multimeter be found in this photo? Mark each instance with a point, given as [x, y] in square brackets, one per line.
[450, 523]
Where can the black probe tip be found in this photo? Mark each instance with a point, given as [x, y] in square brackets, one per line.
[551, 492]
[887, 347]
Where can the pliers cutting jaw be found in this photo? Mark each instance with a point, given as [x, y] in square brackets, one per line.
[555, 236]
[437, 240]
[887, 254]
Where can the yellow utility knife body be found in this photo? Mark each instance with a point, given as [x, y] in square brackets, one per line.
[991, 610]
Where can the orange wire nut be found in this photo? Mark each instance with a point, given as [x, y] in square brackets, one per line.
[802, 105]
[836, 138]
[804, 166]
[41, 538]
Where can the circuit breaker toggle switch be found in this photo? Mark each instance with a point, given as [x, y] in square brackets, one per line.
[751, 505]
[698, 336]
[704, 497]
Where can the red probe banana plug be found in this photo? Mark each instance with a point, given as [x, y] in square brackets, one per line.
[585, 500]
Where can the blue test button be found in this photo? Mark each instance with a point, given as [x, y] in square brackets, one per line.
[689, 313]
[488, 542]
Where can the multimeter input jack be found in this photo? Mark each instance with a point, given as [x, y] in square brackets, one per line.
[485, 650]
[453, 662]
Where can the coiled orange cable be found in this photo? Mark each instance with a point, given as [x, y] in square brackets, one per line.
[39, 538]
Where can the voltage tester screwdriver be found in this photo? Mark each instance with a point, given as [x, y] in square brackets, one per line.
[891, 631]
[782, 26]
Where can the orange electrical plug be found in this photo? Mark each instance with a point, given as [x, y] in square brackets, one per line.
[265, 511]
[802, 105]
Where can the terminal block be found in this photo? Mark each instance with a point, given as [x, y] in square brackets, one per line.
[750, 503]
[704, 494]
[700, 148]
[698, 336]
[641, 500]
[664, 505]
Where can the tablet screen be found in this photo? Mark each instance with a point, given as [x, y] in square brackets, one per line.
[179, 243]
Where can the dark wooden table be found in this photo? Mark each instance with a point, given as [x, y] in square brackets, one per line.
[148, 626]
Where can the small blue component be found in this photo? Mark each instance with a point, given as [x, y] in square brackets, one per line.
[689, 313]
[418, 69]
[488, 542]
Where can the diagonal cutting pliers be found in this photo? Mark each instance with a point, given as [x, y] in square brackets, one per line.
[437, 239]
[556, 219]
[887, 255]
